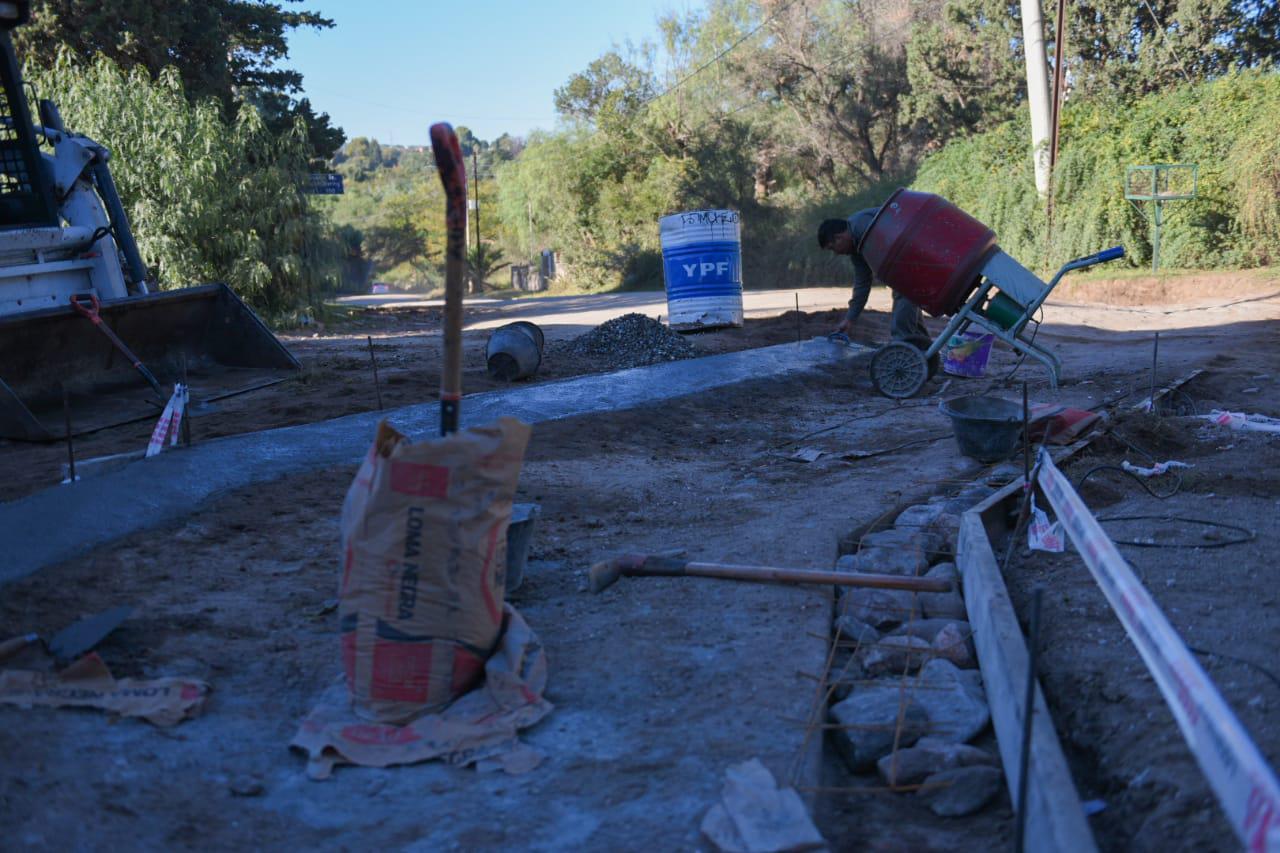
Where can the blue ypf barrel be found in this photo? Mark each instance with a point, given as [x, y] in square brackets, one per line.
[702, 266]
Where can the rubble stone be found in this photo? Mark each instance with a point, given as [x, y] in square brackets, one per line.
[956, 645]
[918, 517]
[879, 608]
[943, 605]
[854, 630]
[895, 655]
[871, 715]
[930, 755]
[961, 791]
[953, 700]
[927, 629]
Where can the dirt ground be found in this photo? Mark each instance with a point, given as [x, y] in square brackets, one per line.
[653, 681]
[656, 679]
[337, 379]
[1121, 739]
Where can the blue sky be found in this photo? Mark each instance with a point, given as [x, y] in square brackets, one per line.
[389, 68]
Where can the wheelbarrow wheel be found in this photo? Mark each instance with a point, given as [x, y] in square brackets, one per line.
[899, 370]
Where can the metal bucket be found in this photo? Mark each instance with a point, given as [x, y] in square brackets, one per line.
[986, 428]
[514, 351]
[702, 267]
[206, 332]
[519, 535]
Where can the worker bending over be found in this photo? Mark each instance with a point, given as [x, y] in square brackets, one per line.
[842, 236]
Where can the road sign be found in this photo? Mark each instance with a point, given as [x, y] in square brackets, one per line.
[325, 183]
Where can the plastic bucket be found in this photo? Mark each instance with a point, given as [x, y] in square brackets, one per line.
[519, 535]
[986, 428]
[702, 268]
[968, 353]
[514, 351]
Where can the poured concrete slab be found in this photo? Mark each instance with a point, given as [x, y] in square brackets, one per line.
[61, 522]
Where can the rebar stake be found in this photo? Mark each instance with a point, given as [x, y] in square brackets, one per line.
[1024, 761]
[377, 388]
[71, 450]
[1155, 354]
[1026, 437]
[186, 409]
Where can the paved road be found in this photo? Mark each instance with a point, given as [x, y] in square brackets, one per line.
[594, 309]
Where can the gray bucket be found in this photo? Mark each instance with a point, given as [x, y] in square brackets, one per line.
[519, 535]
[514, 351]
[986, 428]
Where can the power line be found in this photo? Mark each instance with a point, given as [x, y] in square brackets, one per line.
[1165, 38]
[719, 56]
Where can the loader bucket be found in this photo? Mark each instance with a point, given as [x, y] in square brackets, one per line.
[223, 346]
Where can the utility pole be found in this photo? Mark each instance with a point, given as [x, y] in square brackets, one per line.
[476, 284]
[1037, 89]
[475, 184]
[1059, 84]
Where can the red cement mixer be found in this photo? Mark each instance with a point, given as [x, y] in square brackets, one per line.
[948, 263]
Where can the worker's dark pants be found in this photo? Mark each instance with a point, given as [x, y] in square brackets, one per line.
[906, 322]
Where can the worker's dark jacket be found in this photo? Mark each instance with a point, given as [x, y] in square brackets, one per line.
[905, 323]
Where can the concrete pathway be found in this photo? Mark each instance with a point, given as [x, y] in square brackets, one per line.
[61, 522]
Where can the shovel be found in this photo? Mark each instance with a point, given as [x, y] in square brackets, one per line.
[453, 175]
[73, 641]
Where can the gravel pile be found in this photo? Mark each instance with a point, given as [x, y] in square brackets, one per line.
[632, 340]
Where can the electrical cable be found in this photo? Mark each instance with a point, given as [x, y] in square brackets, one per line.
[1246, 535]
[1141, 482]
[1257, 666]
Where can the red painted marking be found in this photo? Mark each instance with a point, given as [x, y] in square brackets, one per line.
[349, 659]
[486, 588]
[378, 735]
[401, 671]
[467, 671]
[424, 481]
[190, 692]
[348, 561]
[1260, 815]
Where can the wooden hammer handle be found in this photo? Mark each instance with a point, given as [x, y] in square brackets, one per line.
[659, 566]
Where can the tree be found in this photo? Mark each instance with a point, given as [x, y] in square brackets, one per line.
[209, 199]
[227, 49]
[484, 259]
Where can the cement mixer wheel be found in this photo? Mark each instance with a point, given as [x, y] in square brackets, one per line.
[899, 370]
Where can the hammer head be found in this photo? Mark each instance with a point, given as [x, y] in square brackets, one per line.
[603, 575]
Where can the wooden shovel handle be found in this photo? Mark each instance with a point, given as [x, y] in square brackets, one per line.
[453, 175]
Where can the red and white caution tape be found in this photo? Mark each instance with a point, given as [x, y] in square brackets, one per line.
[1240, 777]
[166, 431]
[1042, 534]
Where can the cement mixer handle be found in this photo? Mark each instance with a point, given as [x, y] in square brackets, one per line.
[1101, 257]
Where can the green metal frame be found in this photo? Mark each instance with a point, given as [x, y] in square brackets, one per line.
[1156, 191]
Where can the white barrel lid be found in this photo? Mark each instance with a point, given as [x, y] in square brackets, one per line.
[700, 226]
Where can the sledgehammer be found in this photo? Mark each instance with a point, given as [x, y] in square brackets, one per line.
[604, 575]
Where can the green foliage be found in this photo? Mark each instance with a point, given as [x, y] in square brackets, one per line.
[208, 199]
[483, 260]
[1229, 127]
[225, 49]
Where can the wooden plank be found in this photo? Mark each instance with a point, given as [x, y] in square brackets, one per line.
[1055, 818]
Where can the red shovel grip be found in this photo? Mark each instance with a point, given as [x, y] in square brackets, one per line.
[453, 176]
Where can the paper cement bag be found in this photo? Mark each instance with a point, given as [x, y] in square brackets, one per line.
[424, 540]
